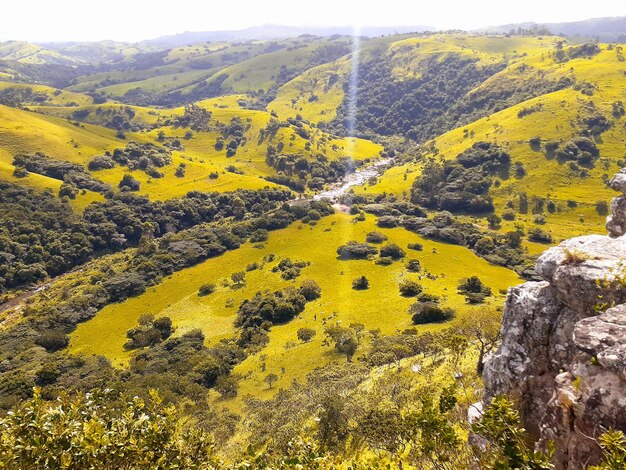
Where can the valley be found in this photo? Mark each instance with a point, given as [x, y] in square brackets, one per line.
[302, 241]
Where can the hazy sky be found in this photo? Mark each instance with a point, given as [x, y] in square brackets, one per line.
[132, 20]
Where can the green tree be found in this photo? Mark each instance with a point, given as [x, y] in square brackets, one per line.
[238, 277]
[345, 340]
[270, 379]
[483, 326]
[507, 442]
[101, 430]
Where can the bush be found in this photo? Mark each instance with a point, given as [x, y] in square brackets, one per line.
[413, 266]
[415, 246]
[52, 340]
[101, 430]
[306, 334]
[206, 289]
[260, 235]
[273, 307]
[360, 283]
[508, 215]
[356, 250]
[462, 185]
[602, 208]
[540, 236]
[102, 162]
[227, 386]
[473, 285]
[310, 290]
[124, 285]
[410, 288]
[149, 332]
[391, 250]
[239, 277]
[494, 221]
[375, 237]
[430, 312]
[128, 183]
[20, 172]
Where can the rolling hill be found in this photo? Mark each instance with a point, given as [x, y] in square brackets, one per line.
[209, 268]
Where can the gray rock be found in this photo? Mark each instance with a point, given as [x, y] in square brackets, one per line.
[562, 362]
[618, 182]
[585, 271]
[616, 222]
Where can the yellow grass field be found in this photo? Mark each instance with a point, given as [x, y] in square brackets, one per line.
[380, 307]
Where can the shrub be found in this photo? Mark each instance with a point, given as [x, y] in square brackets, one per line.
[540, 236]
[415, 246]
[306, 334]
[259, 235]
[410, 288]
[273, 307]
[310, 290]
[360, 283]
[430, 312]
[494, 221]
[314, 215]
[356, 250]
[602, 208]
[413, 266]
[20, 172]
[391, 250]
[206, 289]
[124, 285]
[535, 143]
[473, 285]
[149, 332]
[508, 215]
[101, 430]
[128, 183]
[52, 340]
[239, 277]
[227, 386]
[102, 162]
[375, 237]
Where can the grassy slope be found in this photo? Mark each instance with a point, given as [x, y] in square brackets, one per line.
[28, 53]
[316, 94]
[201, 157]
[380, 307]
[61, 139]
[206, 58]
[559, 119]
[23, 131]
[55, 96]
[408, 56]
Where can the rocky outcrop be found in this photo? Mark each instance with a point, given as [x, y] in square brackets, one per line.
[563, 353]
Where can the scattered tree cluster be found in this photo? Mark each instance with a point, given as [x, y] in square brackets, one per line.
[462, 185]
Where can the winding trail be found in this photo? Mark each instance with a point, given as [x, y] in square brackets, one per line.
[18, 299]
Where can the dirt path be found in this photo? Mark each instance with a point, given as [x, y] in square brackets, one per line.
[25, 295]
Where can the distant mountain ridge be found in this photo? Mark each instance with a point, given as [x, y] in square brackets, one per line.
[275, 31]
[605, 29]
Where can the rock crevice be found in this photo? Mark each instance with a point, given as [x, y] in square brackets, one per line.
[563, 353]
